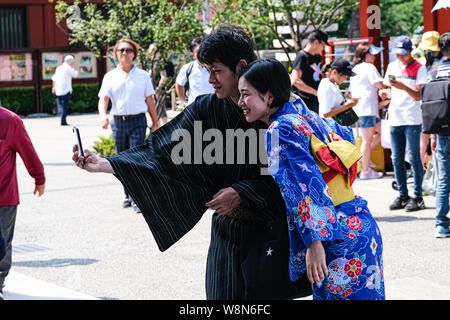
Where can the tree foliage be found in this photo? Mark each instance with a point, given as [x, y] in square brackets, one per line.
[171, 25]
[262, 18]
[401, 17]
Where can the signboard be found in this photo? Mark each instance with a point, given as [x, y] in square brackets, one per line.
[16, 67]
[85, 64]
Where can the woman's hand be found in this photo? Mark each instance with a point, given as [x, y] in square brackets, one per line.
[316, 266]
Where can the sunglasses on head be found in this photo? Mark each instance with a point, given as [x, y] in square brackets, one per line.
[127, 50]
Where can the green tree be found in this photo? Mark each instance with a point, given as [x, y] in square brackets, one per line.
[401, 17]
[262, 18]
[171, 25]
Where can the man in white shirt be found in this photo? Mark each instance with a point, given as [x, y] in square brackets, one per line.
[405, 76]
[195, 74]
[131, 92]
[62, 85]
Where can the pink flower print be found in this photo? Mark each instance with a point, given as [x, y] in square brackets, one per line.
[306, 131]
[353, 268]
[306, 117]
[334, 289]
[323, 232]
[351, 235]
[346, 293]
[303, 211]
[303, 187]
[330, 215]
[354, 223]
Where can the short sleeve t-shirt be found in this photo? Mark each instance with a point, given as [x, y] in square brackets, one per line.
[404, 110]
[362, 87]
[329, 96]
[310, 66]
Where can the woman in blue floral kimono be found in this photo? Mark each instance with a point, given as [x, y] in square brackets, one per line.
[333, 236]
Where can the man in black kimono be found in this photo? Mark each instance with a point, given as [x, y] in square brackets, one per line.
[173, 180]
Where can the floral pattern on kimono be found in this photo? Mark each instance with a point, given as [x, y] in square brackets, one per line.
[351, 237]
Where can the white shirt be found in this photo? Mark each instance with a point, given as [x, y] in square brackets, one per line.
[329, 96]
[198, 80]
[404, 109]
[63, 79]
[362, 87]
[127, 92]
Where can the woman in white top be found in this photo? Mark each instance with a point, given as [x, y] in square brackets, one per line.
[364, 86]
[331, 100]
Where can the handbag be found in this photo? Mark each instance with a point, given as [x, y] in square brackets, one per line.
[430, 178]
[385, 133]
[346, 118]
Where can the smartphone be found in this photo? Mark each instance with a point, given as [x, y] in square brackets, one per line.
[391, 77]
[76, 132]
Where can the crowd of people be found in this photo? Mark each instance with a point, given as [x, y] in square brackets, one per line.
[301, 226]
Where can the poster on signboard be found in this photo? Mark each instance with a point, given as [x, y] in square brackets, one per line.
[85, 64]
[16, 67]
[50, 61]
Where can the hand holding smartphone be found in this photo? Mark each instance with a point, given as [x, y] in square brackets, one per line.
[78, 141]
[391, 77]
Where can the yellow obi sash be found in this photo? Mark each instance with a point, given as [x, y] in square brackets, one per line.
[337, 162]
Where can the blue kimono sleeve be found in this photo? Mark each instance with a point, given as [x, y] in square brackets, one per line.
[310, 209]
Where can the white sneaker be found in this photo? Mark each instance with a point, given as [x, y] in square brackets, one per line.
[370, 174]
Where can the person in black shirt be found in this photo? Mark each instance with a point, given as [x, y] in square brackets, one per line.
[306, 72]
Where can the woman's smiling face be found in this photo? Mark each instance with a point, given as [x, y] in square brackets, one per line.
[253, 103]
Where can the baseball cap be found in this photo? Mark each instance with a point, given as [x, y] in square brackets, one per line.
[342, 66]
[318, 35]
[402, 45]
[375, 50]
[429, 41]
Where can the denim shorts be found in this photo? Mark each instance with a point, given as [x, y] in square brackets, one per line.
[368, 121]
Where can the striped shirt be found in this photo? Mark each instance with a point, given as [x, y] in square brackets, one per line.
[443, 70]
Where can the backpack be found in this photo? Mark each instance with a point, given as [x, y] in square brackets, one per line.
[436, 106]
[189, 70]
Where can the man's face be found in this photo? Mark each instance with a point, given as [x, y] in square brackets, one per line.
[125, 53]
[223, 80]
[404, 58]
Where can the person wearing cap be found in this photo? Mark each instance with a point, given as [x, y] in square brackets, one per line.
[331, 99]
[62, 85]
[364, 86]
[404, 78]
[306, 71]
[431, 60]
[429, 45]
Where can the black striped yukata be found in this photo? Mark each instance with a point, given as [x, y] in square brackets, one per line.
[248, 254]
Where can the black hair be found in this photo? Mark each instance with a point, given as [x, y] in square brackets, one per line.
[196, 41]
[227, 45]
[444, 43]
[318, 35]
[269, 75]
[430, 56]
